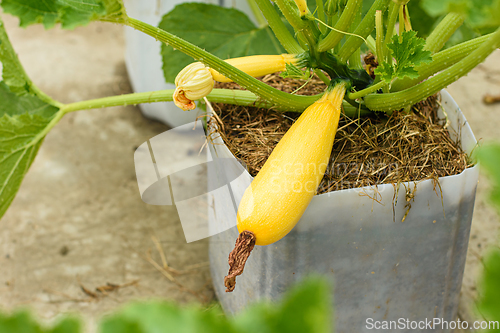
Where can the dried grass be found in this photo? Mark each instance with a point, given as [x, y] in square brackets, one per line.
[366, 152]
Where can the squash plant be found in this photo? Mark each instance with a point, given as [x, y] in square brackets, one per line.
[327, 37]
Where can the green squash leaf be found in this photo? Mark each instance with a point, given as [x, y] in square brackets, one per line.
[408, 52]
[24, 121]
[224, 32]
[70, 13]
[12, 71]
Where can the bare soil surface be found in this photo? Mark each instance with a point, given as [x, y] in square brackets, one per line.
[78, 218]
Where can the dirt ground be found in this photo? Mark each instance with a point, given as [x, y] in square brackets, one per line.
[78, 218]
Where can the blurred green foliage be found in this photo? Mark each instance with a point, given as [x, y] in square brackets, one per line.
[305, 309]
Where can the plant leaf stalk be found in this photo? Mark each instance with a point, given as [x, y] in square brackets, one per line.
[261, 20]
[321, 15]
[443, 32]
[227, 96]
[355, 58]
[391, 24]
[398, 100]
[268, 93]
[364, 29]
[280, 30]
[291, 13]
[369, 90]
[334, 37]
[379, 40]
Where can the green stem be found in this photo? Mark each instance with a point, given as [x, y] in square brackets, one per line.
[321, 15]
[367, 91]
[391, 24]
[268, 93]
[371, 44]
[364, 29]
[401, 21]
[236, 97]
[355, 58]
[401, 99]
[280, 30]
[322, 76]
[227, 96]
[440, 61]
[291, 13]
[261, 20]
[343, 24]
[444, 30]
[380, 39]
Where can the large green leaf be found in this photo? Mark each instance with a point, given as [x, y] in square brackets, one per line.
[12, 72]
[225, 32]
[24, 121]
[70, 13]
[25, 117]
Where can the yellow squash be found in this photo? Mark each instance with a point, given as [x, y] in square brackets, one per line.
[282, 190]
[258, 65]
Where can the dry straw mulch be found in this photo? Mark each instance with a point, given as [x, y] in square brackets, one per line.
[366, 152]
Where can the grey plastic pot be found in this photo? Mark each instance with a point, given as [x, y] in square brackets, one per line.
[380, 268]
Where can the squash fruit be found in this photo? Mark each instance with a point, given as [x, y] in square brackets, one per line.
[280, 193]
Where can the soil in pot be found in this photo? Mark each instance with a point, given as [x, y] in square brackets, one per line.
[366, 152]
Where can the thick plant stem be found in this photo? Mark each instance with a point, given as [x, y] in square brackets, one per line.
[391, 24]
[440, 61]
[333, 38]
[380, 37]
[261, 20]
[355, 58]
[398, 100]
[227, 96]
[369, 90]
[444, 30]
[321, 15]
[280, 30]
[291, 13]
[401, 20]
[268, 93]
[236, 97]
[364, 29]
